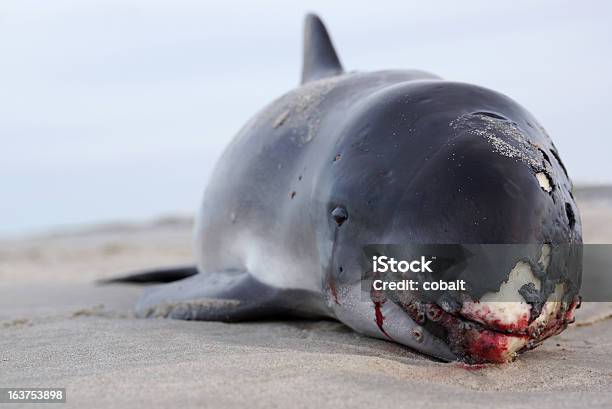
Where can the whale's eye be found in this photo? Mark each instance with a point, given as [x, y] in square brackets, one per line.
[340, 215]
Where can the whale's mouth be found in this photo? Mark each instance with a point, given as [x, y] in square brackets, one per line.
[515, 313]
[476, 342]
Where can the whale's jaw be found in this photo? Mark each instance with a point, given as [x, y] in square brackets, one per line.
[475, 342]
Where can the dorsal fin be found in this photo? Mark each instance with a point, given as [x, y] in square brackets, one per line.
[320, 59]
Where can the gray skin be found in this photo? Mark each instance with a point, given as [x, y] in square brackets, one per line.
[351, 159]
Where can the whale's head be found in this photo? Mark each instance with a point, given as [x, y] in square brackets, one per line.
[441, 163]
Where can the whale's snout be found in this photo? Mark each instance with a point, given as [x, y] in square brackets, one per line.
[450, 164]
[483, 340]
[532, 303]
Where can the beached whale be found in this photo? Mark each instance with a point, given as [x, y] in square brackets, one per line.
[351, 159]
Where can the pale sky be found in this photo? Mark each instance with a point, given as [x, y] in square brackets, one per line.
[117, 110]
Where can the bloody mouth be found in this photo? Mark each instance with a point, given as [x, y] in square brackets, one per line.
[477, 343]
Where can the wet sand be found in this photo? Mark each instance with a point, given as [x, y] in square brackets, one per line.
[58, 329]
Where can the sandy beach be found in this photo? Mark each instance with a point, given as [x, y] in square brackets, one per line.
[59, 329]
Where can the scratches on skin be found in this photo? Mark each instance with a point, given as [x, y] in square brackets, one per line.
[380, 318]
[571, 218]
[331, 284]
[505, 137]
[556, 155]
[334, 291]
[302, 106]
[378, 299]
[280, 119]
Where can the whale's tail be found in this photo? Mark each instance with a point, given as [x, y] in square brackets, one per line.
[320, 58]
[161, 275]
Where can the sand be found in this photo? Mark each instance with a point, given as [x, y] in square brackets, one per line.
[59, 329]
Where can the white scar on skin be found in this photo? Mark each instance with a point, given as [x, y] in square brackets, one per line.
[507, 307]
[553, 304]
[544, 181]
[515, 315]
[545, 256]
